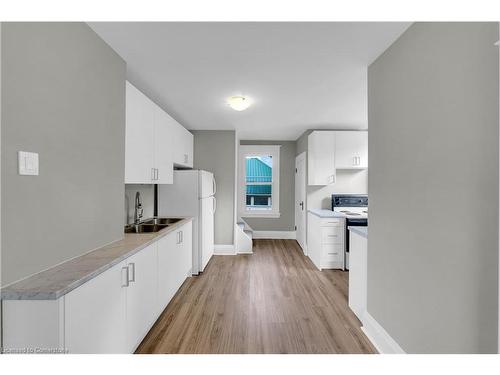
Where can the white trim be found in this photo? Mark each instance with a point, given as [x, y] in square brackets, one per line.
[244, 252]
[249, 150]
[301, 157]
[379, 337]
[263, 214]
[274, 235]
[224, 250]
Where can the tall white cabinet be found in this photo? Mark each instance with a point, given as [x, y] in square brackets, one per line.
[154, 141]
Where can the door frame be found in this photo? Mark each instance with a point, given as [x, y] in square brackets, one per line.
[301, 158]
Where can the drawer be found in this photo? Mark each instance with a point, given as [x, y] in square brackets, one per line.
[332, 235]
[333, 222]
[332, 253]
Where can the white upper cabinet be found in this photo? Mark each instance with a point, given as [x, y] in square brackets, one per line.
[154, 142]
[183, 146]
[331, 150]
[139, 132]
[351, 149]
[163, 148]
[321, 158]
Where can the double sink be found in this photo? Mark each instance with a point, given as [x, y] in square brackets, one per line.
[151, 225]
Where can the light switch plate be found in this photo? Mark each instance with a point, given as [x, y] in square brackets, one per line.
[28, 163]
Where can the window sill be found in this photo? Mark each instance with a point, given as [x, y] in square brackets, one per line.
[269, 215]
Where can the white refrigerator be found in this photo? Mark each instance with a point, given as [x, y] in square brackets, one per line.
[193, 194]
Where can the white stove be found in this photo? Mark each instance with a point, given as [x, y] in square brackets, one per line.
[354, 207]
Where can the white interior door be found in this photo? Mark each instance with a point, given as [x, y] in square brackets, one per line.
[300, 200]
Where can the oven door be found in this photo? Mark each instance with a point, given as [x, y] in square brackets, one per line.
[351, 223]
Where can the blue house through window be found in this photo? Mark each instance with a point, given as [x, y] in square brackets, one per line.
[259, 178]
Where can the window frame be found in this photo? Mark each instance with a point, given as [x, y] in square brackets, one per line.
[258, 150]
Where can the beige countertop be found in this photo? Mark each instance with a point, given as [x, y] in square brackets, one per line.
[59, 280]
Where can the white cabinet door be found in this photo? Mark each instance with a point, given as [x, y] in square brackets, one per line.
[95, 320]
[357, 274]
[163, 147]
[321, 158]
[186, 252]
[139, 153]
[351, 149]
[183, 146]
[142, 295]
[188, 148]
[166, 264]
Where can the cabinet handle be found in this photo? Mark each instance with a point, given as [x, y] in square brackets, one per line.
[125, 279]
[332, 253]
[333, 235]
[178, 238]
[182, 236]
[186, 158]
[157, 174]
[131, 274]
[153, 174]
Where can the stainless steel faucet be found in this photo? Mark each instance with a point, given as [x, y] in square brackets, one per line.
[138, 208]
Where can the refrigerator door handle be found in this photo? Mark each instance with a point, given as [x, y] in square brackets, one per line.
[215, 204]
[214, 185]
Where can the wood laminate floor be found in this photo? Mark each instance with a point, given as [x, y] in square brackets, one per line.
[274, 301]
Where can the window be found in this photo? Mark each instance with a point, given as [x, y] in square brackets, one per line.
[259, 181]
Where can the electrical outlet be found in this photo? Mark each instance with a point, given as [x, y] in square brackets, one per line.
[28, 163]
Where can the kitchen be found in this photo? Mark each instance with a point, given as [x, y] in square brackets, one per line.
[202, 210]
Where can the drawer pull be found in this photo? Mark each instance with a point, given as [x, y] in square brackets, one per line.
[332, 253]
[333, 235]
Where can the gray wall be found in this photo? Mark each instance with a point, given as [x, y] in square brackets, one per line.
[214, 151]
[63, 96]
[147, 201]
[433, 233]
[286, 221]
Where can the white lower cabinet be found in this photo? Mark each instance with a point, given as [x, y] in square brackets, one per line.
[95, 314]
[175, 254]
[325, 241]
[141, 294]
[358, 274]
[110, 313]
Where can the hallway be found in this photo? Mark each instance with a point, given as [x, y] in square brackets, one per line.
[274, 301]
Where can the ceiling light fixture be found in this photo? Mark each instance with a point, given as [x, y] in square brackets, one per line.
[239, 103]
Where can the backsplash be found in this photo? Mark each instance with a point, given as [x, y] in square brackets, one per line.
[348, 182]
[147, 199]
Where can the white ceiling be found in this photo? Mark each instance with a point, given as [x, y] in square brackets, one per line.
[300, 75]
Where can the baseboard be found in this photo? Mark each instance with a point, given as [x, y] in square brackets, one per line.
[379, 337]
[224, 250]
[245, 252]
[273, 235]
